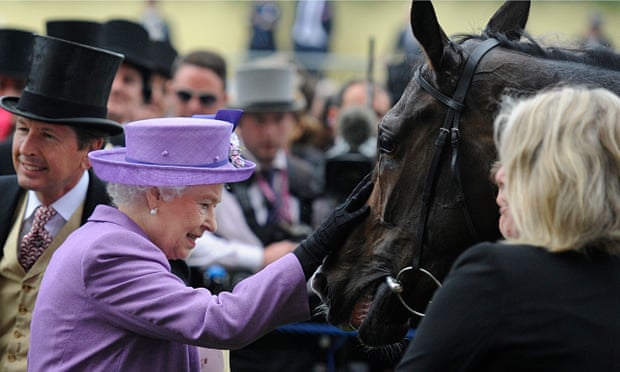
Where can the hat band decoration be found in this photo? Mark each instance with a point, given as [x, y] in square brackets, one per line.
[57, 108]
[230, 115]
[214, 164]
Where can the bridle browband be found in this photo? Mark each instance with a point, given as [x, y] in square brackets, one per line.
[450, 127]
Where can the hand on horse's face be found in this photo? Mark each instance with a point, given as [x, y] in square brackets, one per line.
[506, 223]
[333, 232]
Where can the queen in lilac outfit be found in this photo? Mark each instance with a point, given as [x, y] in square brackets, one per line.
[108, 301]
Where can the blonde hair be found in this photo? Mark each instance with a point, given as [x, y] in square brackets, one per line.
[561, 153]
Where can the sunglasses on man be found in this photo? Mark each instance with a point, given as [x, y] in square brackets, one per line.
[205, 99]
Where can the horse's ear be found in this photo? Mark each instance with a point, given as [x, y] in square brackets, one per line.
[428, 32]
[510, 19]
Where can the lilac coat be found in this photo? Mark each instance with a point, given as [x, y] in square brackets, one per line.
[108, 302]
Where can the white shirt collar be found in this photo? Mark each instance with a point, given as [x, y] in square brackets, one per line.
[279, 162]
[66, 205]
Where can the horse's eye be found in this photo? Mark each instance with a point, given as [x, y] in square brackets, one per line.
[386, 143]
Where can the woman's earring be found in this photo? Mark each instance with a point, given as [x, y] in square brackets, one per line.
[153, 211]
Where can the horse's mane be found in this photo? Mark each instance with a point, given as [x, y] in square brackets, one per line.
[599, 57]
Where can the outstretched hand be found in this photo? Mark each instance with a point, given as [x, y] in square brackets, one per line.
[336, 228]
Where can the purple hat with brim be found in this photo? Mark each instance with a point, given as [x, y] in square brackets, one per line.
[177, 151]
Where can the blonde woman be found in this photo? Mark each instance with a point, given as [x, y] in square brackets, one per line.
[548, 297]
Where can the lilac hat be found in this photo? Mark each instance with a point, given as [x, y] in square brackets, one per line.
[177, 151]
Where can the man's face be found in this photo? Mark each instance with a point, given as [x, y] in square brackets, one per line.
[196, 90]
[265, 133]
[357, 95]
[47, 158]
[126, 99]
[158, 106]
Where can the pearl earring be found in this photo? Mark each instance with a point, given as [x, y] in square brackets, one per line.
[153, 211]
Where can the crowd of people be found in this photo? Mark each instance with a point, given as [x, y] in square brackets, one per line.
[116, 152]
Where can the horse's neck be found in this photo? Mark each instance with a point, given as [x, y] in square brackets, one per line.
[536, 73]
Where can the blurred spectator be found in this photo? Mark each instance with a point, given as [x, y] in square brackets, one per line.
[344, 170]
[595, 36]
[355, 93]
[407, 53]
[162, 55]
[83, 31]
[355, 126]
[312, 31]
[132, 85]
[198, 84]
[345, 164]
[14, 67]
[154, 22]
[308, 141]
[263, 20]
[310, 137]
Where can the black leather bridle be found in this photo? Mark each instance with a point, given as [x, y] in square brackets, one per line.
[450, 127]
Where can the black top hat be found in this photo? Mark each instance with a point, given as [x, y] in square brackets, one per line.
[68, 84]
[79, 31]
[17, 44]
[162, 55]
[129, 38]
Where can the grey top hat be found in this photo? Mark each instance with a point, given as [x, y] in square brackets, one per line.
[266, 87]
[76, 30]
[18, 44]
[68, 84]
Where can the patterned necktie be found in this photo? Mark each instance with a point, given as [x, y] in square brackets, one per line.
[38, 239]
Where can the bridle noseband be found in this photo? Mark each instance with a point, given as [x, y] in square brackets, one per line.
[450, 127]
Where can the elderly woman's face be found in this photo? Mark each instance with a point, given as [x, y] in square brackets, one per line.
[506, 223]
[182, 220]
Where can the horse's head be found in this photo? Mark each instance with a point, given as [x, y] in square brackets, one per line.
[431, 199]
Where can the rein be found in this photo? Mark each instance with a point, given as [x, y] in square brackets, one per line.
[450, 127]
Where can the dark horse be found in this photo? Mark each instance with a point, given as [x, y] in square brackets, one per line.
[433, 196]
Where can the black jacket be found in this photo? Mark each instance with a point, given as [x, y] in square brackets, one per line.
[11, 193]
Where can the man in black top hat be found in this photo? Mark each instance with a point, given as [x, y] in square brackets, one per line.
[16, 45]
[61, 116]
[77, 30]
[131, 88]
[162, 55]
[81, 31]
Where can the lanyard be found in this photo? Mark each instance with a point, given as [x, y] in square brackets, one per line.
[278, 197]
